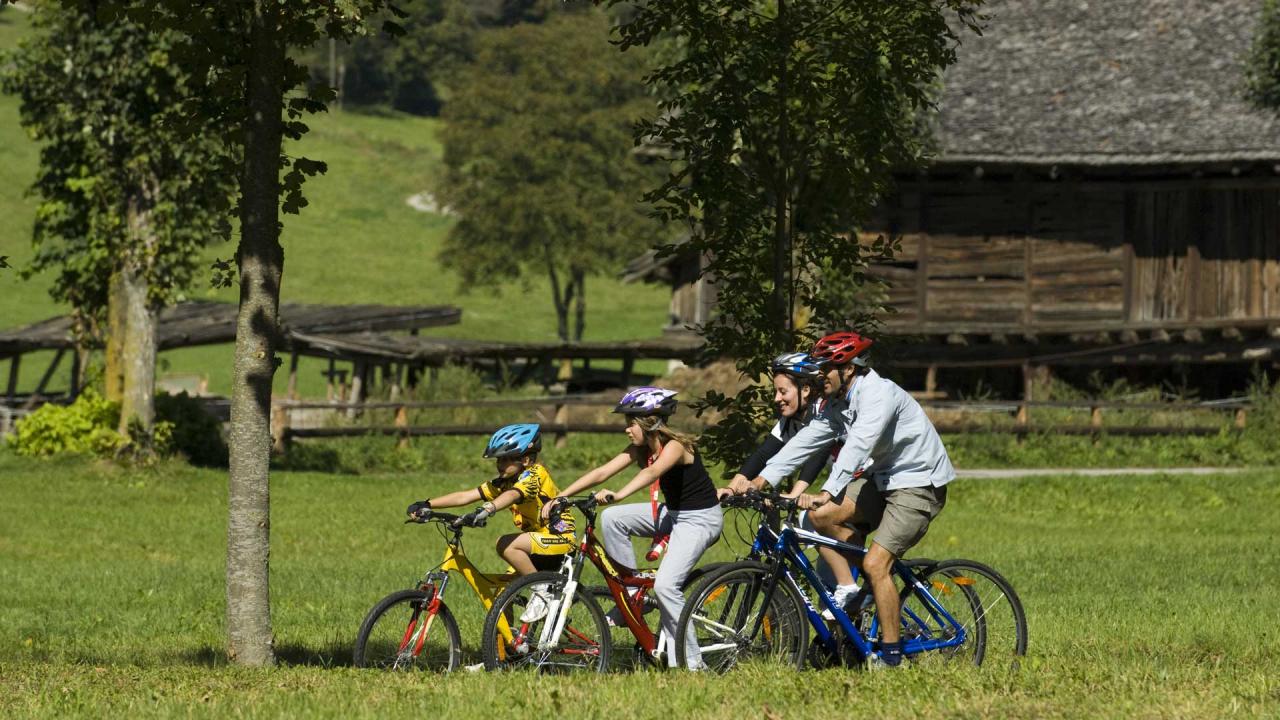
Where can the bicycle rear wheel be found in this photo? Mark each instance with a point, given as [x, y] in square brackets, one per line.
[982, 603]
[408, 630]
[583, 644]
[732, 623]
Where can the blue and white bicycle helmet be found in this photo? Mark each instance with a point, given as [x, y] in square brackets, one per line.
[648, 400]
[514, 440]
[799, 364]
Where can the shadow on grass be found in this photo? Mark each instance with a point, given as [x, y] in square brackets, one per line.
[332, 655]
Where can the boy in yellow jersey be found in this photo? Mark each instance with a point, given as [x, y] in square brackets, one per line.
[523, 485]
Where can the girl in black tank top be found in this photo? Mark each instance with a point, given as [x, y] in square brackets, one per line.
[668, 459]
[689, 514]
[688, 487]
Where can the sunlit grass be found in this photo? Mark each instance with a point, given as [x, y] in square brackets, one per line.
[1145, 597]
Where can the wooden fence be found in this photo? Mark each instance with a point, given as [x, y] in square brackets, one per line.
[552, 413]
[9, 416]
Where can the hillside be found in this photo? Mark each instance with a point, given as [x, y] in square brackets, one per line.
[358, 241]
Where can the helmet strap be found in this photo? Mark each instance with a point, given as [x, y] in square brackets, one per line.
[846, 383]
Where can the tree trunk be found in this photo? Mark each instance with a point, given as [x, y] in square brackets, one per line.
[117, 328]
[782, 291]
[579, 305]
[261, 261]
[138, 357]
[561, 301]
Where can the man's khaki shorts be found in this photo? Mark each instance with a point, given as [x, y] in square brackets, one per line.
[900, 518]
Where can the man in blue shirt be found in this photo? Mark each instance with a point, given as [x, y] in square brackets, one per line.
[904, 473]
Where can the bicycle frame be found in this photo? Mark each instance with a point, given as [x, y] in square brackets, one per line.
[487, 588]
[618, 578]
[785, 550]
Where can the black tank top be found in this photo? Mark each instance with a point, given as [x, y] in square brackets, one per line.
[688, 487]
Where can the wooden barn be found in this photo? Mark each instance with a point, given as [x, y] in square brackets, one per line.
[1102, 188]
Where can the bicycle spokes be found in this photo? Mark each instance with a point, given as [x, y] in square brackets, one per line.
[556, 637]
[733, 621]
[979, 609]
[409, 630]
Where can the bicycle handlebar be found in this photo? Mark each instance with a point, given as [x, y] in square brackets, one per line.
[584, 503]
[434, 516]
[759, 500]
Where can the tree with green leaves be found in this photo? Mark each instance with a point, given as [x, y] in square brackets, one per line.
[1262, 67]
[786, 119]
[539, 163]
[126, 200]
[253, 88]
[408, 72]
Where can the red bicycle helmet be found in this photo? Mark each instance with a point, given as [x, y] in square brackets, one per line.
[842, 347]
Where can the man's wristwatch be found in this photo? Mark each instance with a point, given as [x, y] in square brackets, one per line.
[489, 507]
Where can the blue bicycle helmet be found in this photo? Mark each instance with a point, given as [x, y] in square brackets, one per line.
[799, 364]
[518, 439]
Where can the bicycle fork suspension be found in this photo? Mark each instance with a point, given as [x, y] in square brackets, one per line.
[766, 600]
[415, 636]
[560, 611]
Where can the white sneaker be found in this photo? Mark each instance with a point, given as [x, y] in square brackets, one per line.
[537, 607]
[473, 668]
[842, 595]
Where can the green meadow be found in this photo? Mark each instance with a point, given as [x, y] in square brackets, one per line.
[1145, 597]
[358, 241]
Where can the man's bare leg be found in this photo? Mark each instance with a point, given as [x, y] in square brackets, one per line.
[877, 566]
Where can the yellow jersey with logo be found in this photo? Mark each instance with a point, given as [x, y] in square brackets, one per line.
[536, 488]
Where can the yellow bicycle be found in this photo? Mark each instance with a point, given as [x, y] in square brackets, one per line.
[414, 629]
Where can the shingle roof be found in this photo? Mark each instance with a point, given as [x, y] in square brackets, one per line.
[1106, 82]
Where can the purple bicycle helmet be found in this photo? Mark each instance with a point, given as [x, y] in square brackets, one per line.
[648, 400]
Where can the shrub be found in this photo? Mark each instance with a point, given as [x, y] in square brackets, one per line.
[88, 427]
[193, 432]
[85, 427]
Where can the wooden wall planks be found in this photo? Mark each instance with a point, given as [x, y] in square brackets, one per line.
[1031, 252]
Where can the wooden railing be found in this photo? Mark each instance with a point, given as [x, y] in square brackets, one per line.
[553, 416]
[9, 416]
[554, 424]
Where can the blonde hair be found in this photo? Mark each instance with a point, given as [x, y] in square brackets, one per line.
[655, 425]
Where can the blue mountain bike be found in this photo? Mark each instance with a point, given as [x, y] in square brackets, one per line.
[760, 609]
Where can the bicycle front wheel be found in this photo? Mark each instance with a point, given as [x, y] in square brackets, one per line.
[731, 621]
[981, 608]
[521, 628]
[409, 630]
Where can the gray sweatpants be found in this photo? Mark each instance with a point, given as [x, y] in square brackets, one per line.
[692, 532]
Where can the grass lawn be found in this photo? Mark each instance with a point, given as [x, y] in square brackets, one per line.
[1148, 597]
[357, 242]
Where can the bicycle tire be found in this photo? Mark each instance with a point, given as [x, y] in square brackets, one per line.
[784, 625]
[984, 603]
[377, 648]
[584, 616]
